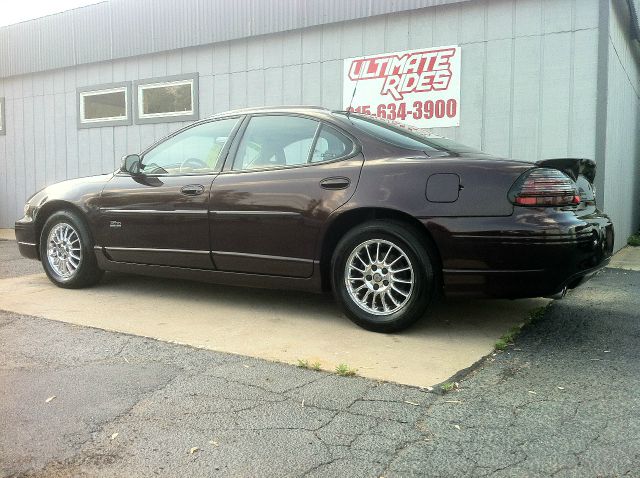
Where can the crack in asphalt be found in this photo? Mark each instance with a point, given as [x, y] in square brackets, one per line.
[250, 417]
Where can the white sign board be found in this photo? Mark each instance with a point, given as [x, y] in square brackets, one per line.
[417, 87]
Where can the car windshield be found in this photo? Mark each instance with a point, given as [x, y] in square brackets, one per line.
[406, 136]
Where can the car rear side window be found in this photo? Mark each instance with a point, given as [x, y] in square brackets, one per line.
[331, 144]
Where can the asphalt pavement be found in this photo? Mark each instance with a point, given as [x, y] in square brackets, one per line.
[564, 400]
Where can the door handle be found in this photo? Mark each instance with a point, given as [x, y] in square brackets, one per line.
[192, 189]
[335, 183]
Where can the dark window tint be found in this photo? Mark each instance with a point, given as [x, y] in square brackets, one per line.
[275, 141]
[104, 105]
[406, 136]
[193, 151]
[331, 145]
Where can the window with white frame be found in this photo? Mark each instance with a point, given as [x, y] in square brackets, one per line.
[167, 99]
[2, 126]
[105, 105]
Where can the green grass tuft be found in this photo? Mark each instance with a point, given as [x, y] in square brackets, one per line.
[345, 371]
[634, 240]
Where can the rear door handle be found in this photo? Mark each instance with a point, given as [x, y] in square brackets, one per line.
[335, 183]
[192, 189]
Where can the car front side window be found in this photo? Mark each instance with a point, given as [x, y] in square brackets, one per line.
[275, 141]
[193, 151]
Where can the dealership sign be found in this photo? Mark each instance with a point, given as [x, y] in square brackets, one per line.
[417, 87]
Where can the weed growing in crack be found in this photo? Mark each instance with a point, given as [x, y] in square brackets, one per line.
[345, 371]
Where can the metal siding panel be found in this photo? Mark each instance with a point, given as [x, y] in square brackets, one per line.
[352, 39]
[60, 34]
[132, 27]
[10, 151]
[221, 90]
[497, 107]
[332, 84]
[583, 112]
[67, 140]
[374, 35]
[205, 90]
[499, 19]
[292, 85]
[273, 86]
[472, 95]
[108, 149]
[273, 50]
[446, 23]
[238, 90]
[92, 33]
[120, 148]
[311, 87]
[221, 58]
[189, 61]
[554, 114]
[586, 14]
[312, 45]
[397, 32]
[528, 18]
[557, 15]
[255, 88]
[39, 140]
[292, 48]
[255, 53]
[331, 40]
[526, 104]
[238, 56]
[204, 60]
[19, 176]
[50, 139]
[472, 23]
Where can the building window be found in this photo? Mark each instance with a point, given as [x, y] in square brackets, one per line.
[167, 99]
[2, 126]
[104, 105]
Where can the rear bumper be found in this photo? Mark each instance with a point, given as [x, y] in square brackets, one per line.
[26, 238]
[535, 252]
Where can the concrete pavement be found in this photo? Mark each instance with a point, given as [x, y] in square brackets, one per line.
[275, 325]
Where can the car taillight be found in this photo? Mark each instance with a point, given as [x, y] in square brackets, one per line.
[544, 187]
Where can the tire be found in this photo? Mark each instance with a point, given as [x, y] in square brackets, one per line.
[66, 251]
[403, 297]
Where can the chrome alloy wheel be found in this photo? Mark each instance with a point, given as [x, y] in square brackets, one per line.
[379, 277]
[64, 251]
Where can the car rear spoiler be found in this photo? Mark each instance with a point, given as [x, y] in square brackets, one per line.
[573, 167]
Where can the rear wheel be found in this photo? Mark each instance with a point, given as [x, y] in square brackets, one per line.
[66, 251]
[383, 276]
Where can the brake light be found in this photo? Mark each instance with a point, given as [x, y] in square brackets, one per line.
[544, 187]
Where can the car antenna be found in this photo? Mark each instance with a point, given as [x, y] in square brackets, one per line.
[355, 89]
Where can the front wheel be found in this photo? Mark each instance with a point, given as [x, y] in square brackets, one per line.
[383, 276]
[66, 251]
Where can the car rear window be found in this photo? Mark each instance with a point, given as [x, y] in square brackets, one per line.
[406, 136]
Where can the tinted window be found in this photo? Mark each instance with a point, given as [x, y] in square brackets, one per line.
[195, 150]
[275, 141]
[331, 145]
[407, 137]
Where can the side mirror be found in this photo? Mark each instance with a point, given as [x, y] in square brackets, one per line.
[131, 164]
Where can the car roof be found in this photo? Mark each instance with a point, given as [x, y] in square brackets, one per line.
[274, 109]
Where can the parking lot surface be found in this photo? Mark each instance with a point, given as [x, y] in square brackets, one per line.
[276, 325]
[563, 401]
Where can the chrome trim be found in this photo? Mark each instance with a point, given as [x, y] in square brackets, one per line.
[27, 243]
[255, 213]
[262, 256]
[151, 249]
[202, 212]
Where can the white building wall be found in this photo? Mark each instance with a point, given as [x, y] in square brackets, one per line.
[529, 70]
[622, 170]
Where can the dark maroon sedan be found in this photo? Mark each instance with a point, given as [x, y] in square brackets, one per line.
[306, 198]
